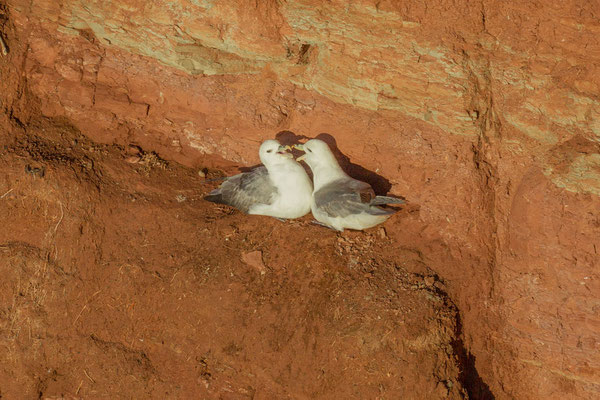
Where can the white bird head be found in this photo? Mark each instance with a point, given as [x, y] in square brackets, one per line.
[316, 154]
[271, 152]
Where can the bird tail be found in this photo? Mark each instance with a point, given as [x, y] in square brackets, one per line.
[380, 200]
[380, 211]
[215, 196]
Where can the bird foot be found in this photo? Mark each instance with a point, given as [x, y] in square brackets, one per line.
[280, 219]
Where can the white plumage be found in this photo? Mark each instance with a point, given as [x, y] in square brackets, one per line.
[280, 188]
[339, 201]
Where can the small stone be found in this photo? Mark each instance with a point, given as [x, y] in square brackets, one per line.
[442, 390]
[35, 171]
[87, 163]
[429, 280]
[254, 259]
[382, 233]
[201, 173]
[133, 149]
[3, 47]
[133, 159]
[228, 232]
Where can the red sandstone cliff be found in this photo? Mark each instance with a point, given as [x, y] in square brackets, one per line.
[486, 116]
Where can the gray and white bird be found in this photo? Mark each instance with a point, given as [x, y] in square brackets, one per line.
[339, 201]
[279, 188]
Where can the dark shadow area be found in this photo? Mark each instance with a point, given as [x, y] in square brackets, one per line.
[380, 185]
[475, 386]
[288, 138]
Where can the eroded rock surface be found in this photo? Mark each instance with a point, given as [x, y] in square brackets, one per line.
[484, 115]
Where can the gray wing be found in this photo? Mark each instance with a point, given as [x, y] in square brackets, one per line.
[244, 190]
[346, 197]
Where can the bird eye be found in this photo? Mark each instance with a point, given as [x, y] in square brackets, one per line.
[268, 151]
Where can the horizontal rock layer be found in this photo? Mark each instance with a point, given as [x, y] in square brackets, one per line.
[486, 116]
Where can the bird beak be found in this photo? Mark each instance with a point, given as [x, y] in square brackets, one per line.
[282, 150]
[301, 148]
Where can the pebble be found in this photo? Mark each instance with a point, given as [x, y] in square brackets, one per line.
[254, 259]
[133, 159]
[133, 149]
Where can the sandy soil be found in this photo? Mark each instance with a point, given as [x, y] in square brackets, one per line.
[120, 281]
[484, 116]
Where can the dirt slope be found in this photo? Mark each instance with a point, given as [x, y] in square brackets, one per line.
[119, 281]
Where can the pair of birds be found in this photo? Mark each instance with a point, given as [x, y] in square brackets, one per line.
[282, 189]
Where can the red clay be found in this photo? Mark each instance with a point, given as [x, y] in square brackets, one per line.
[484, 116]
[119, 281]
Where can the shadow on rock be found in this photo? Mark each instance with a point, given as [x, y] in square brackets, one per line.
[380, 185]
[471, 380]
[288, 138]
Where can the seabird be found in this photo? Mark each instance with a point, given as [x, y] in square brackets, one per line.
[339, 201]
[279, 188]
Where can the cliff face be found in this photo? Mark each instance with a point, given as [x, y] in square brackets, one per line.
[486, 116]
